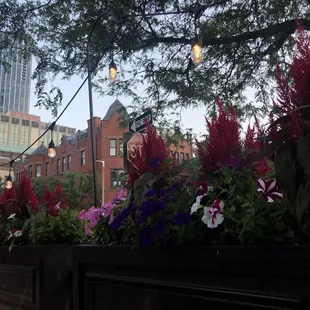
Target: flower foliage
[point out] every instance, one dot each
(288, 136)
(154, 157)
(20, 199)
(224, 146)
(55, 200)
(26, 219)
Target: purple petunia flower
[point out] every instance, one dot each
(269, 190)
(146, 236)
(149, 208)
(160, 227)
(151, 193)
(118, 220)
(181, 218)
(156, 162)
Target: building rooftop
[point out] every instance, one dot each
(41, 150)
(14, 149)
(116, 106)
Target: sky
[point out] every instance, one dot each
(77, 114)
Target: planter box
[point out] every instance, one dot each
(36, 278)
(191, 278)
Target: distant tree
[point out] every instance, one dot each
(77, 186)
(242, 42)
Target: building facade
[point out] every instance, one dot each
(20, 129)
(74, 153)
(15, 79)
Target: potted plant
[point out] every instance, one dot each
(181, 237)
(36, 256)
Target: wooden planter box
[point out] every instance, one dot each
(191, 278)
(36, 278)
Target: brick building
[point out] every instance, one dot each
(74, 153)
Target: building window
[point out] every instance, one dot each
(182, 158)
(177, 157)
(187, 156)
(38, 171)
(35, 124)
(46, 169)
(172, 154)
(116, 177)
(83, 158)
(112, 147)
(25, 122)
(69, 162)
(15, 120)
(62, 129)
(63, 164)
(58, 166)
(121, 147)
(4, 118)
(30, 171)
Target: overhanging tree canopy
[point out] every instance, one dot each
(242, 42)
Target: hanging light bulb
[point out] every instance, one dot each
(51, 149)
(9, 182)
(112, 71)
(197, 51)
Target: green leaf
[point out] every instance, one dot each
(285, 169)
(141, 186)
(302, 208)
(280, 226)
(261, 221)
(290, 234)
(246, 205)
(303, 154)
(175, 171)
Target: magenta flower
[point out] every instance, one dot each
(92, 215)
(269, 190)
(87, 230)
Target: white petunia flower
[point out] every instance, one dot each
(11, 216)
(17, 233)
(196, 205)
(213, 215)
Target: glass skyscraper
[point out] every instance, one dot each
(15, 85)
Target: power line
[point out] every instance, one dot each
(68, 104)
(191, 11)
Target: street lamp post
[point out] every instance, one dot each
(91, 109)
(102, 180)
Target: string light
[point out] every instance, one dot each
(197, 51)
(51, 147)
(9, 180)
(112, 71)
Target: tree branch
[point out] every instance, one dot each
(288, 27)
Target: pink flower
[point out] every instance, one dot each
(92, 215)
(269, 190)
(87, 230)
(213, 215)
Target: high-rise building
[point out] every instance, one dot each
(20, 130)
(15, 79)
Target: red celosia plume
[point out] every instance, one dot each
(223, 138)
(293, 93)
(154, 156)
(55, 200)
(18, 199)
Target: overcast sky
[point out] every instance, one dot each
(78, 112)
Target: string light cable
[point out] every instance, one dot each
(121, 22)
